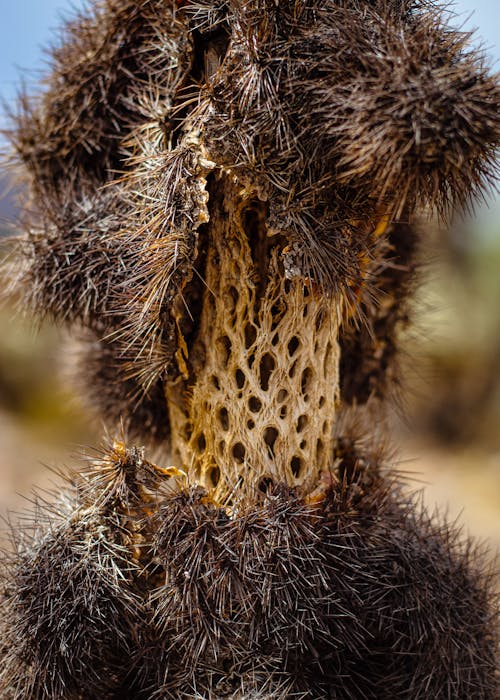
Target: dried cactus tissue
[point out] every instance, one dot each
(225, 204)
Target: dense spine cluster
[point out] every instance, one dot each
(223, 206)
(142, 586)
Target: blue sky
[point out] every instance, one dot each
(26, 27)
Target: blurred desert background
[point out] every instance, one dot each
(446, 419)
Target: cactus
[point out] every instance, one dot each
(225, 206)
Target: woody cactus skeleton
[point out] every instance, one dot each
(225, 196)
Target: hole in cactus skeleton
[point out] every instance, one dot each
(214, 476)
(254, 404)
(239, 452)
(293, 345)
(250, 335)
(224, 418)
(270, 436)
(305, 380)
(296, 466)
(267, 364)
(201, 442)
(215, 382)
(282, 395)
(302, 421)
(240, 378)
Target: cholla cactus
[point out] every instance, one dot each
(224, 203)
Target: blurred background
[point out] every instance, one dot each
(447, 425)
